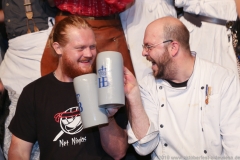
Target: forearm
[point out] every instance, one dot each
(13, 155)
(113, 139)
(1, 16)
(138, 118)
(19, 149)
(238, 7)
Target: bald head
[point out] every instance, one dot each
(169, 28)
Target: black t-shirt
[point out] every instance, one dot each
(47, 112)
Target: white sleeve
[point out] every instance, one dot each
(145, 145)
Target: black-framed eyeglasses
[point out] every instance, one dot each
(148, 48)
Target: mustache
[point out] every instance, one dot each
(86, 59)
(150, 59)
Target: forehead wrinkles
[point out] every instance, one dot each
(151, 38)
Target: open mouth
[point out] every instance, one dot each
(153, 63)
(85, 60)
(151, 60)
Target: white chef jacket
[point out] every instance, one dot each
(212, 42)
(134, 22)
(182, 124)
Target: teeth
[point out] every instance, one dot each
(86, 61)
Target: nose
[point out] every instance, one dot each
(88, 52)
(144, 53)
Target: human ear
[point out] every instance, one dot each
(58, 49)
(174, 48)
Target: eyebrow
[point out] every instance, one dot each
(80, 46)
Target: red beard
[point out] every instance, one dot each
(71, 69)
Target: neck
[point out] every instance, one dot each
(61, 76)
(185, 67)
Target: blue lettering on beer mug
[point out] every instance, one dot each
(79, 103)
(102, 80)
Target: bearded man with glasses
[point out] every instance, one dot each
(188, 107)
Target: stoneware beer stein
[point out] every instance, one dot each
(110, 79)
(87, 96)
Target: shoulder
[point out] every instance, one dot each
(215, 69)
(40, 82)
(148, 79)
(149, 83)
(218, 76)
